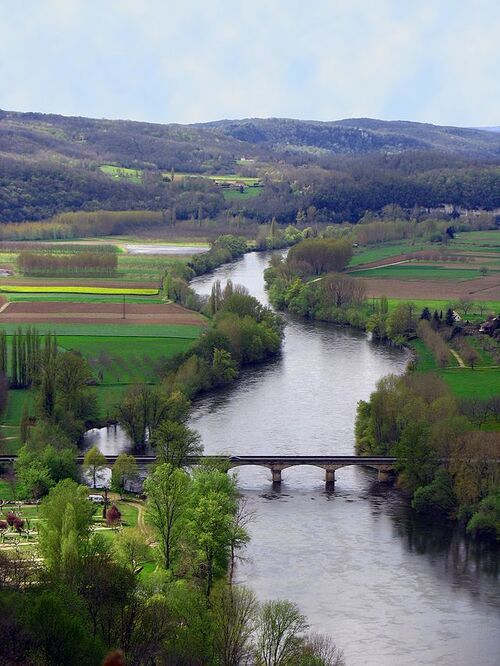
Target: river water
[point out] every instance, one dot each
(390, 589)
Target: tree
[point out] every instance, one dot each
(224, 368)
(113, 516)
(34, 479)
(131, 548)
(320, 650)
(464, 306)
(124, 470)
(234, 617)
(209, 520)
(24, 423)
(134, 413)
(280, 637)
(68, 516)
(93, 462)
(175, 442)
(166, 491)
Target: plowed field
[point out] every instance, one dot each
(104, 313)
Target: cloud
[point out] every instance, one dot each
(193, 61)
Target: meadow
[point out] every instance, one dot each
(413, 271)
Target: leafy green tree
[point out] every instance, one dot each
(133, 413)
(416, 458)
(93, 462)
(166, 489)
(436, 496)
(224, 368)
(131, 549)
(124, 470)
(67, 515)
(175, 442)
(59, 630)
(209, 518)
(34, 480)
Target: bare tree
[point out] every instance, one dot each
(321, 649)
(280, 636)
(234, 614)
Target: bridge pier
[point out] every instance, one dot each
(330, 477)
(276, 472)
(384, 475)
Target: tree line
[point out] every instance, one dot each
(79, 263)
(445, 464)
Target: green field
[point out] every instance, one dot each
(365, 255)
(482, 382)
(116, 330)
(236, 195)
(126, 361)
(133, 175)
(478, 383)
(478, 313)
(119, 356)
(412, 271)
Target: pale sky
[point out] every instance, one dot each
(194, 60)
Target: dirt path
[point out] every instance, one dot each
(459, 358)
(141, 523)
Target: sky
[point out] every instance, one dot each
(189, 61)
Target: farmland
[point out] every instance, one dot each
(121, 325)
(468, 266)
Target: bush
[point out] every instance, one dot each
(436, 496)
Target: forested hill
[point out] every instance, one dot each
(51, 164)
(359, 136)
(215, 145)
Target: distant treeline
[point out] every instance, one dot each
(80, 263)
(81, 224)
(56, 248)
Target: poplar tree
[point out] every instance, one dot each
(24, 424)
(3, 353)
(13, 379)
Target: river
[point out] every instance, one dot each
(390, 588)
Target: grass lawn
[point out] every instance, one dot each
(236, 195)
(125, 361)
(413, 271)
(480, 383)
(478, 313)
(132, 175)
(367, 254)
(116, 330)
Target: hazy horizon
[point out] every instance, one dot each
(196, 62)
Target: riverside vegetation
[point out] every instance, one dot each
(163, 591)
(443, 431)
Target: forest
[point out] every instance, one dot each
(51, 165)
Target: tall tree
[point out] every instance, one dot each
(94, 461)
(124, 470)
(166, 490)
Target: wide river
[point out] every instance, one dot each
(390, 588)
